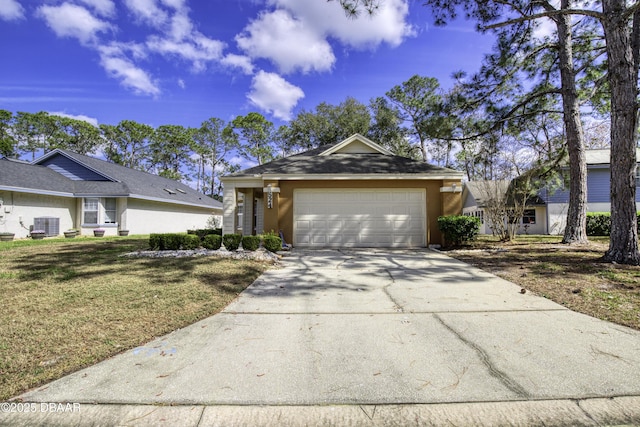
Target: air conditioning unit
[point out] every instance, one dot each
(49, 224)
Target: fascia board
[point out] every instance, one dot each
(388, 177)
(100, 195)
(36, 191)
(174, 202)
(245, 181)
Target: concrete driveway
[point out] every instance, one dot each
(368, 337)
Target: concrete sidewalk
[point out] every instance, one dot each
(366, 337)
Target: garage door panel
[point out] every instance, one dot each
(356, 217)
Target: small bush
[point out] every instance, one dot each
(173, 241)
(190, 241)
(166, 241)
(459, 228)
(231, 241)
(272, 243)
(250, 243)
(155, 241)
(598, 224)
(204, 232)
(212, 241)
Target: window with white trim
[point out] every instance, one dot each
(96, 211)
(110, 211)
(90, 210)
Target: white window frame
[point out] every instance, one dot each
(110, 215)
(101, 212)
(91, 205)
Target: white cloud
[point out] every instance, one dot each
(273, 94)
(181, 84)
(289, 42)
(387, 25)
(91, 120)
(120, 67)
(147, 11)
(101, 7)
(69, 20)
(11, 10)
(198, 50)
(176, 4)
(238, 61)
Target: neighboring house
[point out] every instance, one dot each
(598, 190)
(350, 194)
(64, 190)
(547, 213)
(479, 196)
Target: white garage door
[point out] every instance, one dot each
(359, 218)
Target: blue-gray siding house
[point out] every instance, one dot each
(598, 191)
(548, 213)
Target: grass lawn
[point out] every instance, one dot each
(67, 304)
(572, 276)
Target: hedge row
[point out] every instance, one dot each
(599, 223)
(213, 241)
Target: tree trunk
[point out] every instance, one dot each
(576, 229)
(623, 76)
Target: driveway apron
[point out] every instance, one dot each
(370, 327)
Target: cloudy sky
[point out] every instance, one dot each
(183, 61)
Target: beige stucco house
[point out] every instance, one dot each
(64, 190)
(353, 193)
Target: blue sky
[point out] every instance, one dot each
(181, 62)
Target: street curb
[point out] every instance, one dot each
(623, 410)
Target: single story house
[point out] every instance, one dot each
(479, 196)
(353, 193)
(547, 212)
(64, 190)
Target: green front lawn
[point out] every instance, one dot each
(69, 303)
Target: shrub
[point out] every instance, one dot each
(173, 241)
(459, 228)
(231, 241)
(155, 241)
(598, 224)
(212, 241)
(272, 243)
(204, 232)
(166, 241)
(190, 241)
(250, 243)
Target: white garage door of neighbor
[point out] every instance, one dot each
(359, 218)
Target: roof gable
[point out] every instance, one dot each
(356, 144)
(71, 168)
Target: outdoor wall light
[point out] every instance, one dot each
(269, 196)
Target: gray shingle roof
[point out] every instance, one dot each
(124, 181)
(27, 176)
(311, 163)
